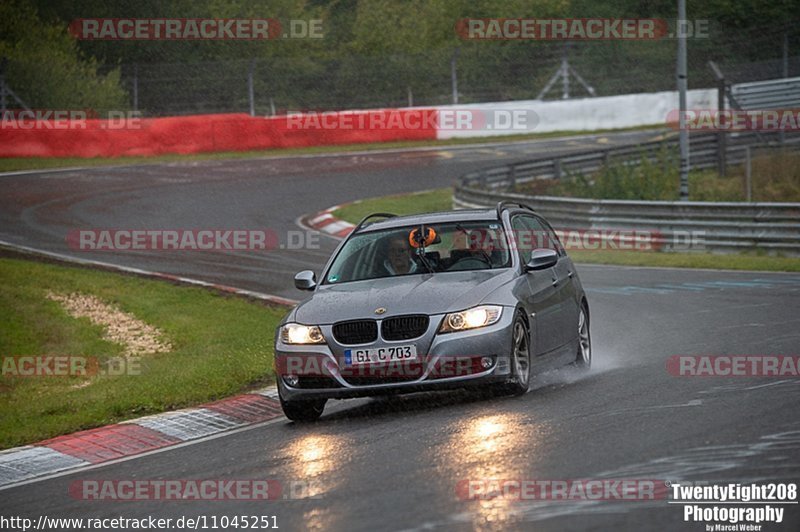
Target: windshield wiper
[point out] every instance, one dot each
(485, 255)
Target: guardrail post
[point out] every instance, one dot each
(136, 86)
(512, 178)
(683, 133)
(785, 55)
(454, 75)
(748, 176)
(721, 138)
(250, 92)
(3, 99)
(556, 168)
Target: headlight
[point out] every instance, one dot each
(471, 318)
(294, 333)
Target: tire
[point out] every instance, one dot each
(583, 359)
(306, 410)
(520, 359)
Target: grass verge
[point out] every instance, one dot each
(739, 261)
(426, 201)
(441, 200)
(775, 177)
(15, 164)
(221, 345)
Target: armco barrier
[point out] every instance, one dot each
(210, 133)
(715, 226)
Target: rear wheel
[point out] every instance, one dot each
(584, 357)
(304, 410)
(520, 359)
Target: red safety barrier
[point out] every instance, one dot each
(213, 133)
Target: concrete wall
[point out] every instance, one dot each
(585, 114)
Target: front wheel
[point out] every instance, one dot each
(520, 359)
(583, 358)
(304, 410)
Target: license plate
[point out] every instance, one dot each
(380, 354)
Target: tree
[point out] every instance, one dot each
(46, 69)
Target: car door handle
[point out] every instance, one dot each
(555, 282)
(570, 274)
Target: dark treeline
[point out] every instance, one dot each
(373, 53)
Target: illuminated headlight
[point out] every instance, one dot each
(294, 333)
(471, 318)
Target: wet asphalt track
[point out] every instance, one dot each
(395, 463)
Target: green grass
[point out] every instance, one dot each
(775, 177)
(740, 261)
(426, 201)
(14, 164)
(441, 200)
(221, 345)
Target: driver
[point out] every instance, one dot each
(399, 261)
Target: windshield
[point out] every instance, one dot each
(448, 247)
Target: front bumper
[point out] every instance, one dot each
(445, 361)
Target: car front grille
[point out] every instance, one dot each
(312, 382)
(404, 327)
(355, 332)
(370, 381)
(387, 373)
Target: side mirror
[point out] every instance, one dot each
(541, 259)
(305, 280)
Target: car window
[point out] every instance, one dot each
(448, 247)
(520, 229)
(552, 241)
(531, 234)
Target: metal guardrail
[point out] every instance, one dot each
(680, 225)
(772, 94)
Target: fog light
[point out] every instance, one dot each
(291, 380)
(486, 362)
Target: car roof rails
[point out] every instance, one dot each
(370, 216)
(503, 205)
